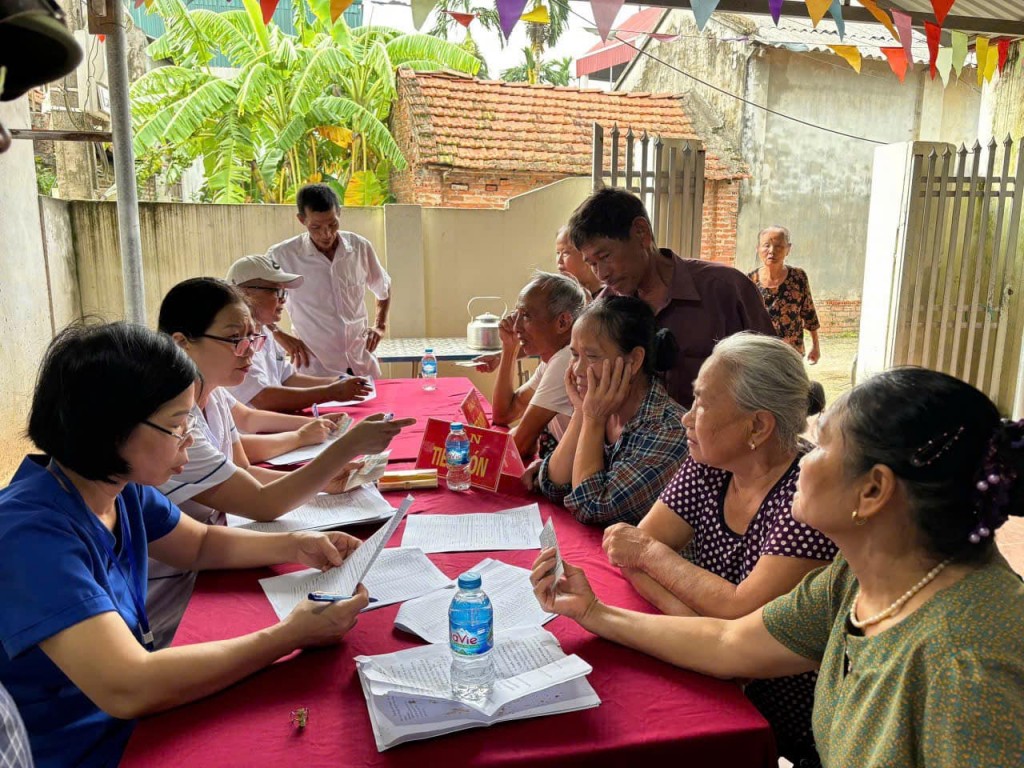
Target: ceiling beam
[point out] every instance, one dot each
(970, 24)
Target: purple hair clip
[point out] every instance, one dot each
(995, 479)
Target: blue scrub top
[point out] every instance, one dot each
(55, 572)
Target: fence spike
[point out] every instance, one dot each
(615, 129)
(977, 146)
(992, 144)
(629, 133)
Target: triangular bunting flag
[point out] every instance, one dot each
(944, 63)
(992, 61)
(941, 8)
(817, 9)
(959, 50)
(881, 15)
(538, 15)
(837, 16)
(1004, 52)
(268, 7)
(420, 10)
(338, 7)
(605, 12)
(775, 6)
(509, 12)
(465, 19)
(663, 37)
(897, 61)
(139, 3)
(702, 10)
(905, 26)
(933, 32)
(849, 52)
(981, 53)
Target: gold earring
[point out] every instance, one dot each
(753, 445)
(856, 519)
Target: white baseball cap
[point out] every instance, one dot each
(261, 268)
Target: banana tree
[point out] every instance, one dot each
(292, 109)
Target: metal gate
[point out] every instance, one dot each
(956, 266)
(667, 174)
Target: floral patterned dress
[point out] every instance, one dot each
(790, 306)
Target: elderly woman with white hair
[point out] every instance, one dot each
(729, 509)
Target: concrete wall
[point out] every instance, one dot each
(815, 182)
(25, 319)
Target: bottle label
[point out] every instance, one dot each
(457, 455)
(429, 367)
(472, 639)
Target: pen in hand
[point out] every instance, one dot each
(330, 597)
(316, 411)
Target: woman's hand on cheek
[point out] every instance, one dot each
(607, 393)
(571, 391)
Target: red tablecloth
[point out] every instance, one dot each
(651, 713)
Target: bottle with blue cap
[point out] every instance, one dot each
(471, 637)
(428, 370)
(456, 456)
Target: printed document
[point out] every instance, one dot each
(517, 528)
(323, 511)
(310, 452)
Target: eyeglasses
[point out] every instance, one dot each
(190, 426)
(282, 293)
(255, 341)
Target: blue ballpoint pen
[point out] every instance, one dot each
(316, 411)
(330, 597)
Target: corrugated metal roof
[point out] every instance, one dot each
(869, 38)
(983, 9)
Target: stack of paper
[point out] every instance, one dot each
(409, 695)
(286, 591)
(517, 528)
(310, 452)
(323, 511)
(508, 588)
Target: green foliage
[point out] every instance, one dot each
(46, 177)
(552, 71)
(274, 123)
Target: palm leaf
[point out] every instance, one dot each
(178, 122)
(228, 170)
(231, 32)
(254, 84)
(182, 42)
(326, 65)
(418, 47)
(364, 189)
(256, 26)
(336, 110)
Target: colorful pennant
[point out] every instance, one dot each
(992, 60)
(817, 9)
(605, 12)
(944, 64)
(934, 33)
(849, 52)
(882, 16)
(420, 10)
(465, 19)
(941, 8)
(509, 12)
(663, 37)
(905, 26)
(702, 10)
(959, 40)
(897, 61)
(775, 6)
(338, 7)
(538, 15)
(981, 53)
(837, 16)
(1004, 51)
(268, 7)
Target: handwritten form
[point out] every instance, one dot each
(286, 591)
(507, 586)
(409, 692)
(325, 510)
(517, 528)
(310, 452)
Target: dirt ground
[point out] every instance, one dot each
(836, 363)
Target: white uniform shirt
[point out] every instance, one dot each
(329, 310)
(548, 385)
(209, 465)
(270, 368)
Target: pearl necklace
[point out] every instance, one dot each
(893, 609)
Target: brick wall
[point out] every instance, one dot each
(721, 211)
(838, 315)
(450, 188)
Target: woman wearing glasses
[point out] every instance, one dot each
(210, 321)
(111, 411)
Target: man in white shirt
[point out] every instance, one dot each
(540, 325)
(328, 310)
(272, 383)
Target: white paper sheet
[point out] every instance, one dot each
(549, 540)
(409, 697)
(372, 395)
(374, 467)
(286, 591)
(323, 511)
(507, 586)
(517, 528)
(402, 573)
(310, 452)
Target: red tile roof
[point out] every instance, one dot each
(460, 122)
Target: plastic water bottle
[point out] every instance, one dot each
(428, 370)
(456, 456)
(471, 637)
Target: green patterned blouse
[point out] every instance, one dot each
(944, 688)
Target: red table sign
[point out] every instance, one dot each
(473, 411)
(489, 455)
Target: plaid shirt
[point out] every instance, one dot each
(645, 458)
(14, 749)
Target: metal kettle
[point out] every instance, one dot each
(482, 330)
